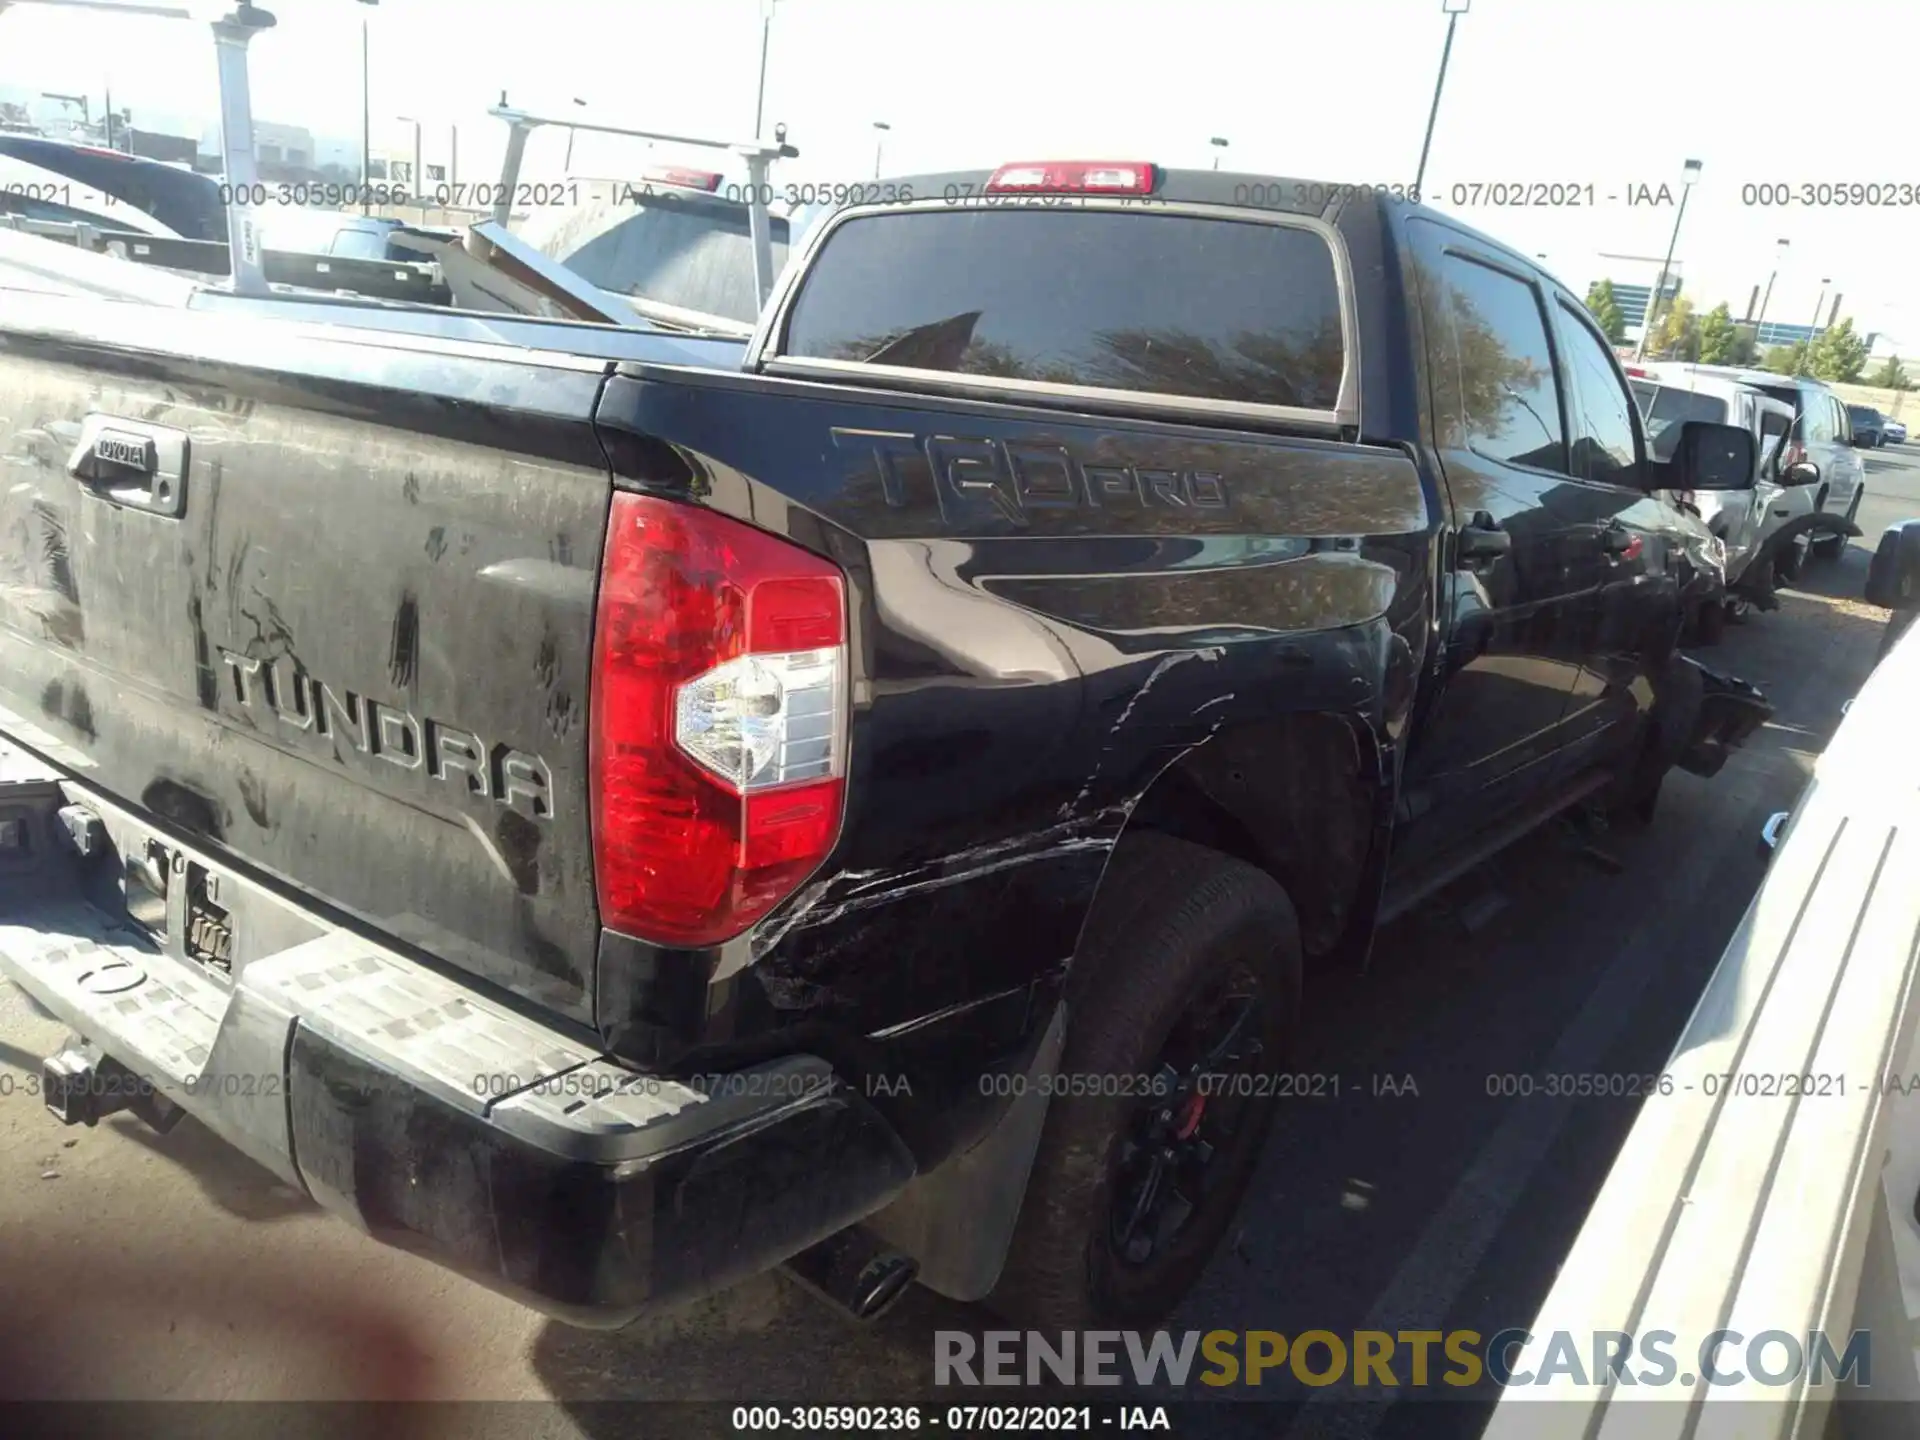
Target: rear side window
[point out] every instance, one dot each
(1670, 410)
(360, 245)
(1603, 448)
(1495, 391)
(1773, 429)
(1816, 417)
(1162, 304)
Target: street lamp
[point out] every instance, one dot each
(419, 174)
(571, 132)
(1779, 259)
(1453, 10)
(766, 34)
(1806, 351)
(1689, 173)
(366, 118)
(80, 101)
(1219, 143)
(879, 141)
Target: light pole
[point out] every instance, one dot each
(1779, 259)
(1454, 9)
(1689, 173)
(571, 132)
(1219, 143)
(879, 142)
(760, 95)
(419, 185)
(366, 116)
(1806, 350)
(81, 101)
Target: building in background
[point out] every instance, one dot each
(1633, 278)
(158, 145)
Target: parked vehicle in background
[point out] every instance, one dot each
(1869, 426)
(1767, 531)
(308, 230)
(1894, 431)
(690, 813)
(675, 242)
(1822, 436)
(53, 180)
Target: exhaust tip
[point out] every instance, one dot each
(860, 1274)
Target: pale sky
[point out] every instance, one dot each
(1616, 93)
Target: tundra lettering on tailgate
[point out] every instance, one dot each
(300, 703)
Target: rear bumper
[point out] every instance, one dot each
(426, 1112)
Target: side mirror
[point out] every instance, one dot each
(1801, 472)
(1893, 578)
(1712, 457)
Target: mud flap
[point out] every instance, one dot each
(1730, 711)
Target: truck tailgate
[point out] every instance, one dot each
(320, 599)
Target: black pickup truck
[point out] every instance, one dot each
(618, 812)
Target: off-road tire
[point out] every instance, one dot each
(1171, 919)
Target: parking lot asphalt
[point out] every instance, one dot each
(139, 1266)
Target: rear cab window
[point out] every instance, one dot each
(1032, 298)
(1671, 409)
(694, 253)
(1492, 362)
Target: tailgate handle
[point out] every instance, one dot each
(132, 463)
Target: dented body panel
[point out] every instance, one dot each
(347, 653)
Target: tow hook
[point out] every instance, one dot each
(82, 1086)
(1770, 833)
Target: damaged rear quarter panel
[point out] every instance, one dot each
(1032, 647)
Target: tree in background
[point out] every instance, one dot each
(1676, 334)
(1785, 359)
(1718, 340)
(1605, 310)
(1838, 353)
(1891, 376)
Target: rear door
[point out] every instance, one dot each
(1519, 567)
(1626, 555)
(322, 598)
(1849, 467)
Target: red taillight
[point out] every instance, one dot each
(719, 719)
(1636, 370)
(1080, 177)
(685, 179)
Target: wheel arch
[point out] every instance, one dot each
(1304, 797)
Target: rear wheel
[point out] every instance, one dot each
(1831, 547)
(1183, 997)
